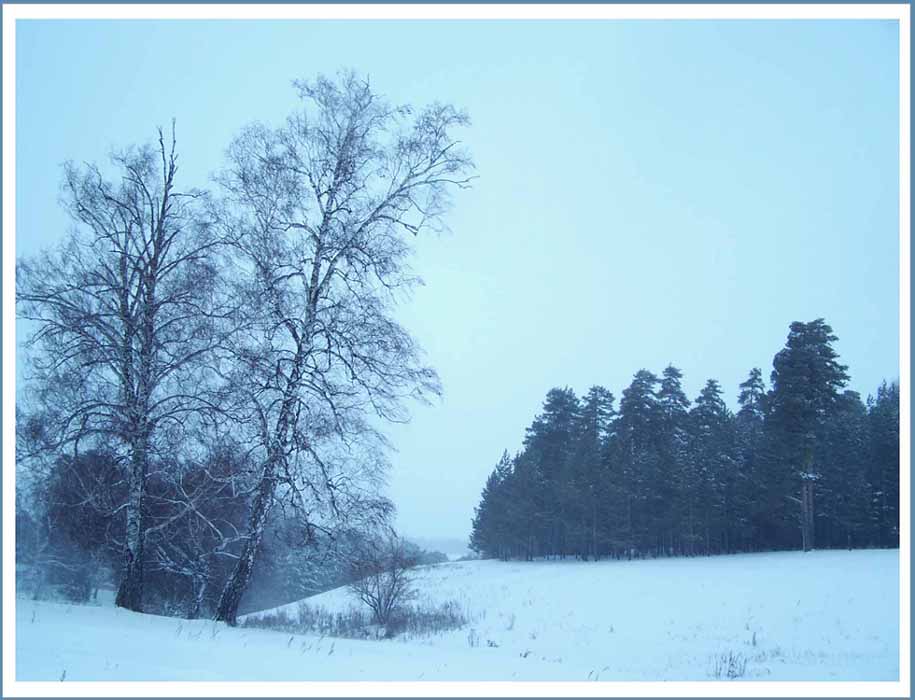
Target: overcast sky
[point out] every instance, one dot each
(649, 193)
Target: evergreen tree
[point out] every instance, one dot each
(672, 474)
(549, 443)
(712, 492)
(842, 488)
(490, 532)
(750, 512)
(637, 456)
(806, 379)
(883, 474)
(525, 507)
(588, 474)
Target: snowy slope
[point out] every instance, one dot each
(788, 616)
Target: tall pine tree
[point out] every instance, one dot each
(806, 379)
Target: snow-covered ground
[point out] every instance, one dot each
(785, 616)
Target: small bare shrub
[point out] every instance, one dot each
(729, 665)
(380, 577)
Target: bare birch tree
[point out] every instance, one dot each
(321, 210)
(122, 319)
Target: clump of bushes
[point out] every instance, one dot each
(426, 620)
(409, 621)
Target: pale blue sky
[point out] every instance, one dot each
(649, 192)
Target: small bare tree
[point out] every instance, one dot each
(381, 578)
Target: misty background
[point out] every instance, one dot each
(649, 193)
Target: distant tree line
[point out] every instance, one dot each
(802, 464)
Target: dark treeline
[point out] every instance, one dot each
(803, 463)
(69, 543)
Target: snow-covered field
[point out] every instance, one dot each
(780, 616)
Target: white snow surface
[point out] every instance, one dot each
(831, 615)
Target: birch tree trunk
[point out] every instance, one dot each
(227, 609)
(130, 590)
